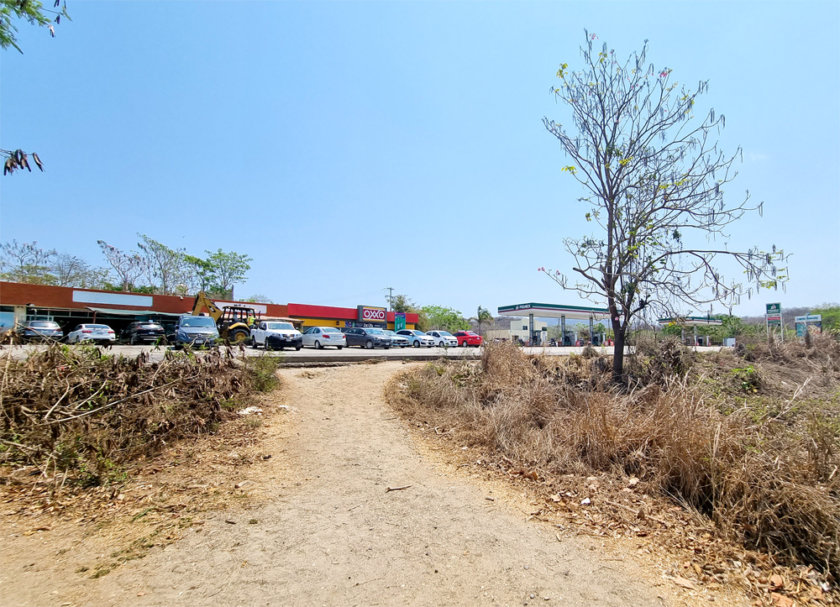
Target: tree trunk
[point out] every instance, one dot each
(618, 351)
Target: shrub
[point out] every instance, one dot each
(765, 472)
(84, 415)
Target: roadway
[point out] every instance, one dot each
(345, 355)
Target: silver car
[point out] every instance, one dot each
(399, 341)
(319, 337)
(41, 330)
(416, 338)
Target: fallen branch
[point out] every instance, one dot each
(396, 488)
(117, 402)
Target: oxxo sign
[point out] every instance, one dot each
(370, 314)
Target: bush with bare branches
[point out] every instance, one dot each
(80, 415)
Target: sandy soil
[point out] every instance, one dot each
(352, 511)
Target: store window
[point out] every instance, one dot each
(7, 317)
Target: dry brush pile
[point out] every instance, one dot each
(752, 445)
(79, 417)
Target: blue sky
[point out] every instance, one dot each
(352, 146)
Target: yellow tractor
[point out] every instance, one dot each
(234, 322)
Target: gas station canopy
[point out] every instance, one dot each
(691, 321)
(543, 310)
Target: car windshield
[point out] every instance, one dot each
(149, 325)
(330, 330)
(420, 333)
(198, 321)
(43, 324)
(375, 332)
(98, 327)
(389, 332)
(280, 325)
(445, 334)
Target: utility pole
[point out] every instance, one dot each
(390, 297)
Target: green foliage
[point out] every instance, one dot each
(401, 303)
(439, 317)
(31, 11)
(747, 378)
(830, 317)
(225, 269)
(263, 372)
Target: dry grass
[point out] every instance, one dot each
(77, 416)
(752, 445)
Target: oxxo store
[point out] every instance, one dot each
(360, 316)
(20, 302)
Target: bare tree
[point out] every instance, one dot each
(26, 262)
(71, 271)
(128, 266)
(654, 180)
(165, 267)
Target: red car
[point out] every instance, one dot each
(468, 338)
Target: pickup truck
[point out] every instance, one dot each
(276, 335)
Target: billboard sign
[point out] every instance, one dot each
(370, 314)
(399, 321)
(804, 323)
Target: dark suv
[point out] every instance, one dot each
(366, 337)
(143, 331)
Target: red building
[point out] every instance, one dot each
(69, 306)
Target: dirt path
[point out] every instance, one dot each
(331, 534)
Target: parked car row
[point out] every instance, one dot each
(270, 334)
(143, 331)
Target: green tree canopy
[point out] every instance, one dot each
(448, 319)
(225, 269)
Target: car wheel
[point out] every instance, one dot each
(416, 343)
(267, 346)
(318, 345)
(297, 348)
(339, 347)
(369, 344)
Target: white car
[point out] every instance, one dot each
(443, 339)
(320, 337)
(98, 334)
(416, 338)
(283, 334)
(398, 341)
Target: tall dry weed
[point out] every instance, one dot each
(765, 472)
